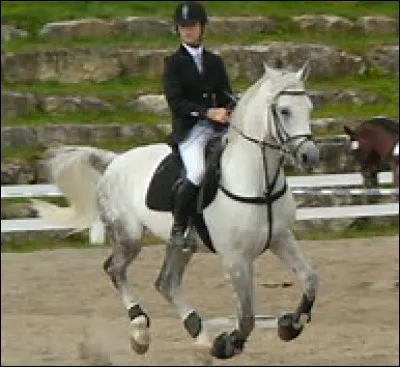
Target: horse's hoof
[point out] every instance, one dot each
(139, 348)
(227, 345)
(139, 335)
(287, 329)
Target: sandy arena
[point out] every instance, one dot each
(59, 308)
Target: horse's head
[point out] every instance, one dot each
(373, 142)
(275, 112)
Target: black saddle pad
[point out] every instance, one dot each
(169, 173)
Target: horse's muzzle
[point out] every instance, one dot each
(307, 155)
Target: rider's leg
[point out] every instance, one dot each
(185, 198)
(193, 157)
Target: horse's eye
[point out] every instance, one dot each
(285, 112)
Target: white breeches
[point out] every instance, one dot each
(192, 151)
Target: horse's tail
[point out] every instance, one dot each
(76, 172)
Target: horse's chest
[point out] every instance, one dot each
(249, 224)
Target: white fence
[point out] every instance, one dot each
(325, 184)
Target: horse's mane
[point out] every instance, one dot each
(280, 81)
(390, 125)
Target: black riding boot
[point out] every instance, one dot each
(184, 205)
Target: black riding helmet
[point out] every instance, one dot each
(190, 12)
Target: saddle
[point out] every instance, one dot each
(170, 174)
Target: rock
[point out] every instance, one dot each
(240, 26)
(66, 104)
(326, 23)
(385, 57)
(43, 136)
(17, 210)
(18, 137)
(16, 104)
(141, 26)
(17, 171)
(156, 104)
(80, 28)
(63, 66)
(378, 25)
(102, 64)
(326, 62)
(9, 32)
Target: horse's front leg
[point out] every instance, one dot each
(168, 283)
(240, 271)
(286, 248)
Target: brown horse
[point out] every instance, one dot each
(375, 143)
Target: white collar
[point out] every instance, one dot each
(194, 51)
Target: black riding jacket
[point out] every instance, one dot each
(189, 93)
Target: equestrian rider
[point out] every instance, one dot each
(197, 89)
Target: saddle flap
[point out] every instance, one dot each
(170, 171)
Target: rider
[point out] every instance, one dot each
(197, 88)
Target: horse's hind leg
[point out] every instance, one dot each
(126, 247)
(168, 283)
(286, 248)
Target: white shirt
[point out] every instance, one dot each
(196, 53)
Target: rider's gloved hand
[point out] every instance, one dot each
(220, 115)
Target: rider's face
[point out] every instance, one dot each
(190, 32)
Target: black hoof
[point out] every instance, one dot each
(286, 329)
(227, 345)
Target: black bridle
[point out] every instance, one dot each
(284, 139)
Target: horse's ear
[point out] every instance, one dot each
(349, 131)
(304, 72)
(267, 69)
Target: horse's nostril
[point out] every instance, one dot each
(304, 158)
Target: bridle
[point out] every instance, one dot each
(284, 139)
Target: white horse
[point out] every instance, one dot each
(253, 209)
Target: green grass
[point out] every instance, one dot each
(118, 90)
(33, 14)
(89, 117)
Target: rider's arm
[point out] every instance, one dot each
(180, 106)
(224, 86)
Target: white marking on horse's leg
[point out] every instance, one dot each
(125, 249)
(240, 271)
(288, 251)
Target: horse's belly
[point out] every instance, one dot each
(124, 183)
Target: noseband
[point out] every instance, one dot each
(284, 139)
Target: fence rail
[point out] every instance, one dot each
(325, 184)
(298, 184)
(340, 212)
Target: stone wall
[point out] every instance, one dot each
(75, 65)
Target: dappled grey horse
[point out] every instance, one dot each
(253, 209)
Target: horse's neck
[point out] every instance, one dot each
(242, 170)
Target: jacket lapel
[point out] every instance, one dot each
(188, 57)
